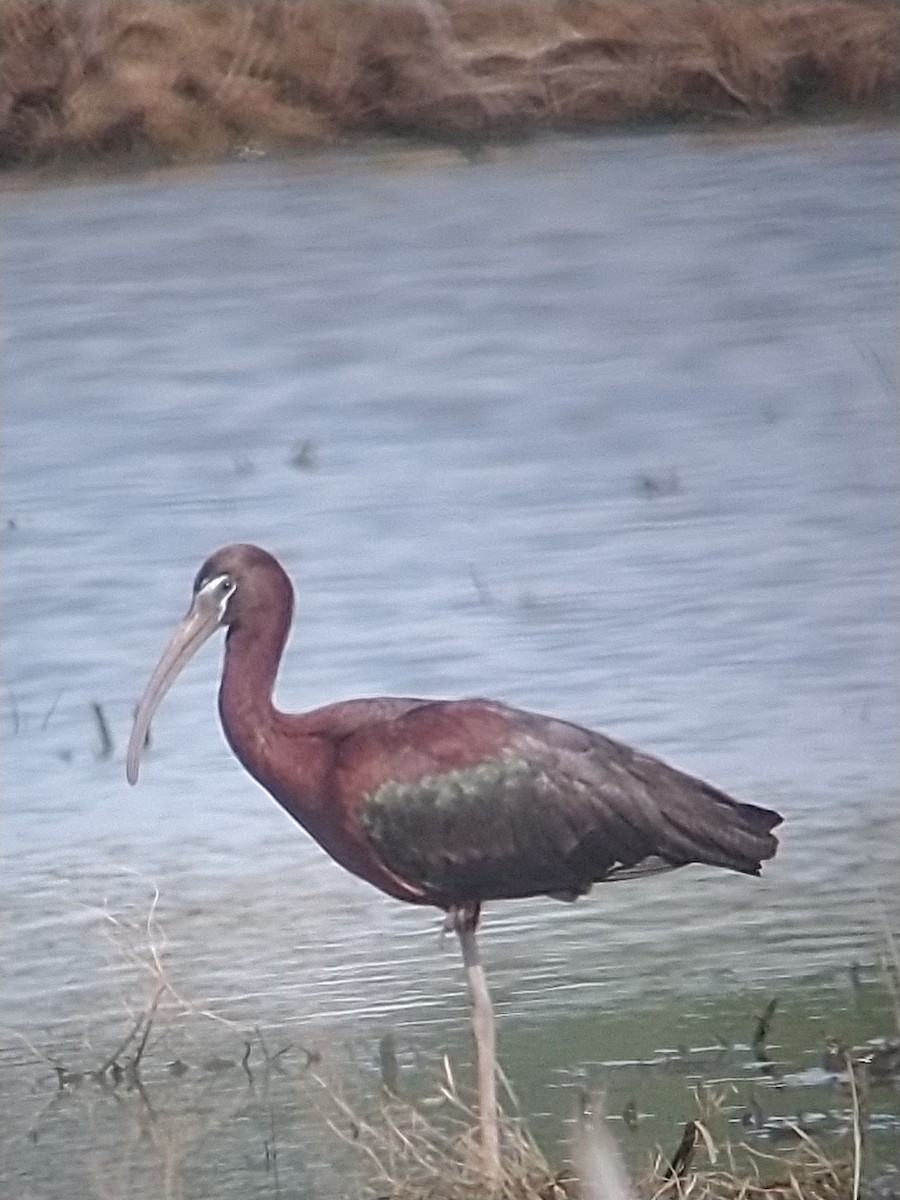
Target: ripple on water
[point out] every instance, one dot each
(488, 398)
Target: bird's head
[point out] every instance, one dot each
(239, 586)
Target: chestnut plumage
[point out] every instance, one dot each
(535, 805)
(446, 802)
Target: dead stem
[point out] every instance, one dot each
(144, 946)
(144, 1020)
(890, 970)
(857, 1127)
(107, 745)
(411, 1156)
(102, 80)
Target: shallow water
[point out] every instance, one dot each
(603, 428)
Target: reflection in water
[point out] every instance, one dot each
(597, 431)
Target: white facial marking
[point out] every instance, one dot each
(218, 591)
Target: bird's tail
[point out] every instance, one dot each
(721, 832)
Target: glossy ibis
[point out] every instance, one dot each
(446, 802)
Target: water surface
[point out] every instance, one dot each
(602, 428)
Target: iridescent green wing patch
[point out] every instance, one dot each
(482, 831)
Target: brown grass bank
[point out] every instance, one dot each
(93, 80)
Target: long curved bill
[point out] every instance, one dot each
(201, 622)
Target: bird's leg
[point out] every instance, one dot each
(465, 921)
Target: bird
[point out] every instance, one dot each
(450, 803)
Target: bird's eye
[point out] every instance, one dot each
(218, 588)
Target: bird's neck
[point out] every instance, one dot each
(288, 756)
(248, 713)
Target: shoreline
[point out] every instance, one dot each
(114, 85)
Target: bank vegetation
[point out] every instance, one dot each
(90, 81)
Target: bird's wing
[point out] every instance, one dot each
(472, 800)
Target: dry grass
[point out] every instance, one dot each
(96, 79)
(429, 1151)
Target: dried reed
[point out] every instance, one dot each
(96, 80)
(429, 1151)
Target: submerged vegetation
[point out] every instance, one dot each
(89, 81)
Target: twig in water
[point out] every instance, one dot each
(890, 968)
(50, 711)
(854, 974)
(144, 1017)
(684, 1154)
(389, 1066)
(270, 1144)
(761, 1034)
(763, 1024)
(148, 958)
(304, 456)
(857, 1126)
(148, 1025)
(658, 483)
(106, 741)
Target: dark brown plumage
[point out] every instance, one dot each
(446, 802)
(536, 806)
